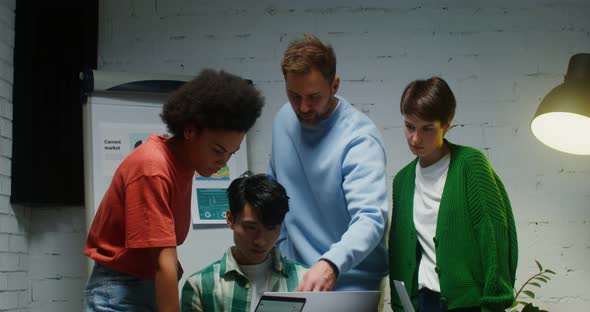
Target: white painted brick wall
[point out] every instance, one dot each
(9, 300)
(5, 90)
(57, 267)
(14, 261)
(5, 185)
(4, 204)
(4, 244)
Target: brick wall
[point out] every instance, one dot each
(14, 225)
(57, 269)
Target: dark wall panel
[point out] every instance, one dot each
(54, 42)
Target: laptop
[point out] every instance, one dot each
(280, 304)
(400, 288)
(335, 301)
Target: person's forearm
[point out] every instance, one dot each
(365, 192)
(166, 280)
(320, 277)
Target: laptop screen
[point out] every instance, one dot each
(280, 304)
(403, 296)
(335, 301)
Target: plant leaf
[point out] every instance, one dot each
(534, 284)
(514, 304)
(529, 293)
(539, 265)
(541, 279)
(545, 276)
(530, 308)
(549, 271)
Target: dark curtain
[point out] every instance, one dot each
(54, 42)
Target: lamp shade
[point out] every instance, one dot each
(562, 120)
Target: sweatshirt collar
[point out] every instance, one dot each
(328, 122)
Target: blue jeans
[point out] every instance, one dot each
(429, 301)
(108, 290)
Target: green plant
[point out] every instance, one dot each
(526, 292)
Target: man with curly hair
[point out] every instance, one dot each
(145, 213)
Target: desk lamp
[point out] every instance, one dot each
(562, 120)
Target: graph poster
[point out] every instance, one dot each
(210, 198)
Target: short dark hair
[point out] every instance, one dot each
(309, 52)
(215, 100)
(264, 194)
(430, 99)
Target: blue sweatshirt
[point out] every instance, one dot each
(334, 174)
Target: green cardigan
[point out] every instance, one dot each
(475, 243)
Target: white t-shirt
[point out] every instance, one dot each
(430, 182)
(258, 275)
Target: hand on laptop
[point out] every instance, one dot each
(320, 277)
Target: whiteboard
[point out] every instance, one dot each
(114, 124)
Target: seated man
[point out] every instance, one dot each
(257, 207)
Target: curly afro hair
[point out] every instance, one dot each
(215, 100)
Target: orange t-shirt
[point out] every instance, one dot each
(147, 205)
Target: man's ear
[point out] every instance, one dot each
(335, 84)
(229, 219)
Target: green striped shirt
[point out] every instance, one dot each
(223, 286)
